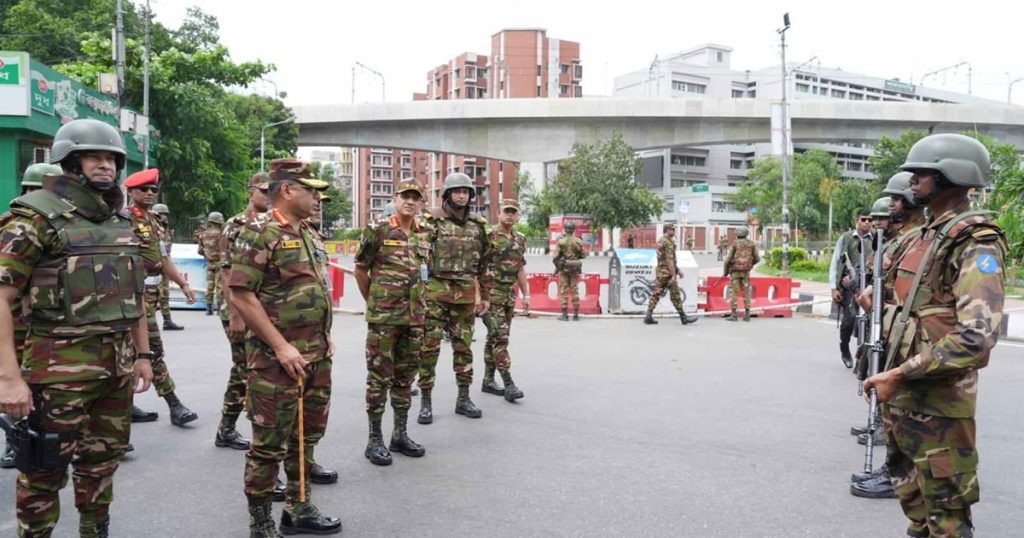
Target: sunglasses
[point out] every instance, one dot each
(865, 219)
(149, 188)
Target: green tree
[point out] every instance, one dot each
(598, 180)
(891, 153)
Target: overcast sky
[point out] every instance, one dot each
(314, 43)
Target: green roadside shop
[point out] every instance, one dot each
(35, 101)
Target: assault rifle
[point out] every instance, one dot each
(862, 315)
(876, 350)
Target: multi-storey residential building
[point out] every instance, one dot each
(699, 177)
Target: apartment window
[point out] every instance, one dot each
(872, 98)
(564, 69)
(579, 71)
(804, 88)
(688, 87)
(406, 162)
(839, 94)
(456, 93)
(688, 160)
(579, 91)
(752, 93)
(670, 204)
(563, 89)
(470, 71)
(678, 183)
(856, 96)
(737, 93)
(538, 71)
(720, 56)
(481, 93)
(538, 90)
(736, 164)
(456, 76)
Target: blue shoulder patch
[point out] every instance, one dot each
(987, 264)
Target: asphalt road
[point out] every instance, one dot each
(714, 429)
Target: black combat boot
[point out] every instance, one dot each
(318, 474)
(879, 487)
(565, 315)
(686, 320)
(649, 318)
(861, 476)
(170, 325)
(575, 314)
(746, 314)
(180, 415)
(844, 351)
(465, 406)
(103, 526)
(228, 436)
(138, 415)
(733, 316)
(400, 441)
(261, 522)
(39, 534)
(305, 518)
(489, 385)
(426, 412)
(512, 392)
(10, 451)
(414, 391)
(375, 451)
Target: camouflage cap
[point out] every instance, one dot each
(292, 169)
(260, 180)
(325, 197)
(409, 185)
(669, 225)
(509, 203)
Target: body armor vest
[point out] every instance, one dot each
(92, 283)
(743, 255)
(458, 248)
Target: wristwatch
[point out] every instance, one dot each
(148, 355)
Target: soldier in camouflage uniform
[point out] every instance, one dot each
(279, 287)
(741, 258)
(948, 282)
(162, 213)
(506, 269)
(142, 188)
(568, 258)
(228, 435)
(87, 350)
(665, 278)
(456, 290)
(31, 180)
(391, 270)
(209, 249)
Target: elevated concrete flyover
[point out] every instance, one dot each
(544, 130)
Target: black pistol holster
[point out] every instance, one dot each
(37, 449)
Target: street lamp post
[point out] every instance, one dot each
(785, 153)
(383, 92)
(263, 139)
(1009, 90)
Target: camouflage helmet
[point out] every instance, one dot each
(457, 180)
(880, 209)
(215, 217)
(33, 176)
(87, 135)
(899, 185)
(161, 209)
(961, 159)
(570, 227)
(388, 211)
(742, 233)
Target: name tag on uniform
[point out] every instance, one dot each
(393, 243)
(291, 243)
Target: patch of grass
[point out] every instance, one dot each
(814, 276)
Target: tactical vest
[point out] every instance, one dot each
(933, 312)
(92, 283)
(508, 255)
(458, 248)
(743, 255)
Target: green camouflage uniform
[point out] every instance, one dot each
(570, 248)
(930, 428)
(508, 256)
(739, 260)
(151, 243)
(665, 275)
(78, 355)
(395, 313)
(287, 272)
(209, 248)
(234, 395)
(165, 283)
(458, 252)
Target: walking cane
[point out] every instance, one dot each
(302, 448)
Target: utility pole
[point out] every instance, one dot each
(119, 53)
(145, 90)
(785, 153)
